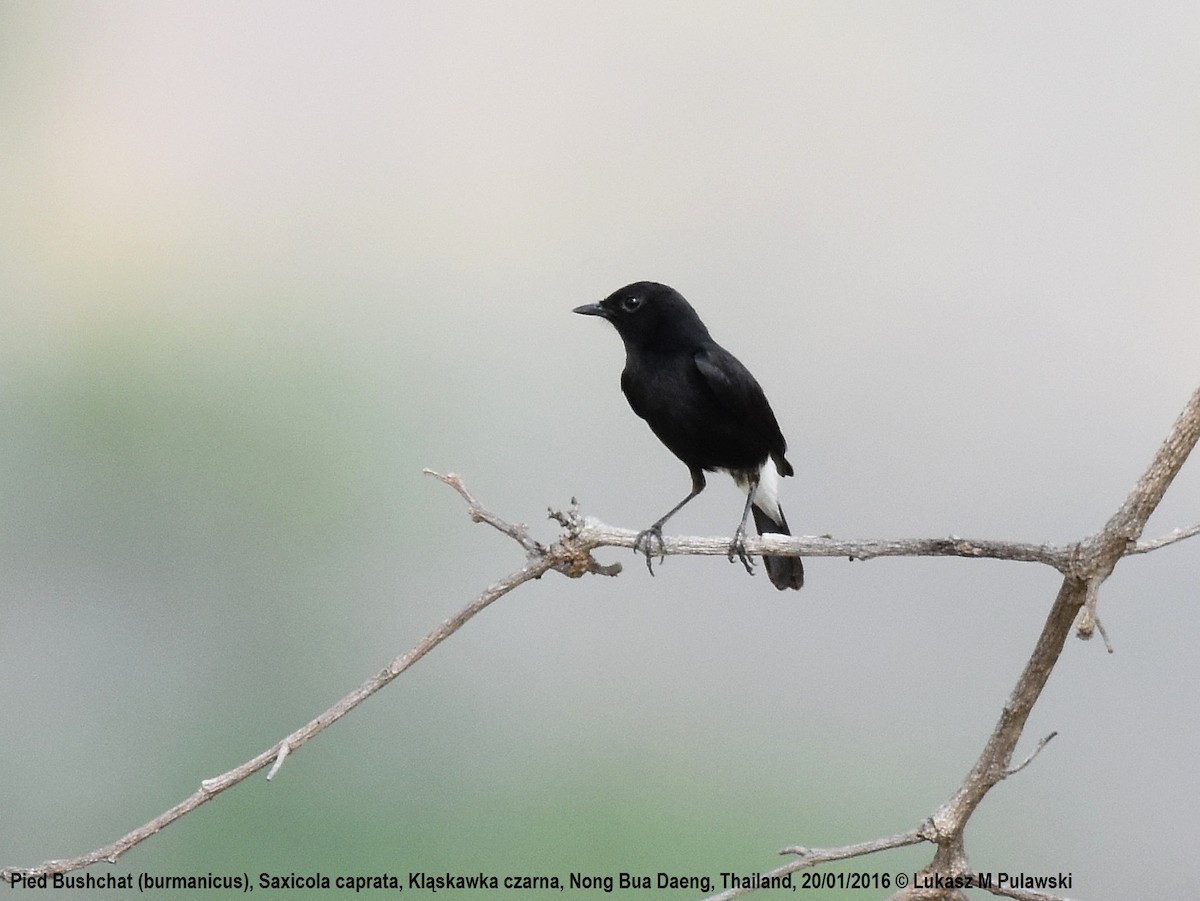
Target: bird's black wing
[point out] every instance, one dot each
(730, 382)
(736, 390)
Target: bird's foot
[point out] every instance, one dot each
(644, 544)
(737, 548)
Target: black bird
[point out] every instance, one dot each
(706, 407)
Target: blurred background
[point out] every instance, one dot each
(262, 263)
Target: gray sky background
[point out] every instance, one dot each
(261, 263)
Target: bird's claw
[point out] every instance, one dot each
(644, 544)
(737, 548)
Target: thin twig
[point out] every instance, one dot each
(284, 750)
(210, 788)
(811, 857)
(518, 532)
(1144, 547)
(1032, 754)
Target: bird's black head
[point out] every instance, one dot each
(647, 314)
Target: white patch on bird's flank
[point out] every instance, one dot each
(766, 497)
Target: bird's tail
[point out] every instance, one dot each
(784, 572)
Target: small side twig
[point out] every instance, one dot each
(277, 753)
(811, 857)
(284, 750)
(518, 532)
(1144, 547)
(1032, 754)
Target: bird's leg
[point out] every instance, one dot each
(644, 542)
(738, 546)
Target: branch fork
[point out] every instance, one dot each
(1084, 565)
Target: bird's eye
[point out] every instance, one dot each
(631, 304)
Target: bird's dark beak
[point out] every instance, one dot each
(591, 309)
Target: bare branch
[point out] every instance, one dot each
(1085, 566)
(276, 754)
(1130, 520)
(597, 534)
(1096, 558)
(518, 532)
(811, 857)
(1144, 547)
(1062, 557)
